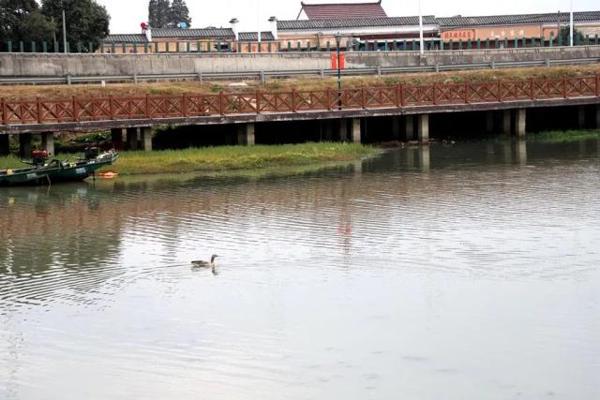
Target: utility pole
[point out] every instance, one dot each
(338, 42)
(421, 41)
(571, 31)
(64, 23)
(258, 22)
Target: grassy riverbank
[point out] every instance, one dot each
(566, 136)
(227, 158)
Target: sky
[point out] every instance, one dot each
(126, 15)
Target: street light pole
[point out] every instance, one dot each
(64, 26)
(421, 41)
(259, 37)
(571, 29)
(338, 40)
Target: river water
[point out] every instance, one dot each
(467, 271)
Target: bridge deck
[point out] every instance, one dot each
(87, 114)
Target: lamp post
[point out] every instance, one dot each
(571, 28)
(421, 42)
(64, 26)
(338, 42)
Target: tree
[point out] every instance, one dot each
(87, 21)
(180, 13)
(21, 20)
(153, 18)
(564, 36)
(163, 13)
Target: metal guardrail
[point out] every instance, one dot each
(264, 75)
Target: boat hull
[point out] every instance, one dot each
(56, 172)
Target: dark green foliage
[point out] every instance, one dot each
(21, 20)
(153, 13)
(163, 14)
(87, 21)
(564, 35)
(180, 13)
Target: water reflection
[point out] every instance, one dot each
(441, 271)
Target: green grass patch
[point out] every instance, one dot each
(566, 136)
(232, 158)
(11, 162)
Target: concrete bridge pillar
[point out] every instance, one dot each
(246, 134)
(424, 158)
(116, 136)
(396, 128)
(343, 130)
(520, 122)
(25, 145)
(506, 122)
(409, 128)
(48, 142)
(328, 130)
(521, 152)
(489, 122)
(581, 117)
(132, 139)
(146, 134)
(4, 145)
(356, 131)
(423, 128)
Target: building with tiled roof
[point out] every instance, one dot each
(357, 25)
(341, 11)
(510, 27)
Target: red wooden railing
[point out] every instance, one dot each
(76, 109)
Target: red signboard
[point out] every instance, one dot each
(334, 61)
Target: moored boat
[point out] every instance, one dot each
(44, 172)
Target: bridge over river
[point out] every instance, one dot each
(505, 103)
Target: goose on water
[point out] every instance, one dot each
(205, 264)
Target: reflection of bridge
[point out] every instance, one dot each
(513, 97)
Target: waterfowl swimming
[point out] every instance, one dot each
(205, 264)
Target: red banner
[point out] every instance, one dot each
(334, 61)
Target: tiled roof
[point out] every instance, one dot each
(460, 21)
(253, 36)
(352, 23)
(212, 33)
(133, 38)
(344, 10)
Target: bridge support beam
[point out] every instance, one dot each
(489, 122)
(581, 117)
(25, 145)
(409, 128)
(520, 122)
(146, 135)
(343, 130)
(356, 131)
(116, 136)
(506, 122)
(4, 145)
(132, 139)
(396, 128)
(424, 158)
(328, 134)
(246, 135)
(48, 142)
(423, 128)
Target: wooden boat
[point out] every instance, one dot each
(44, 172)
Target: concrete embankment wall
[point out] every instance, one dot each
(52, 65)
